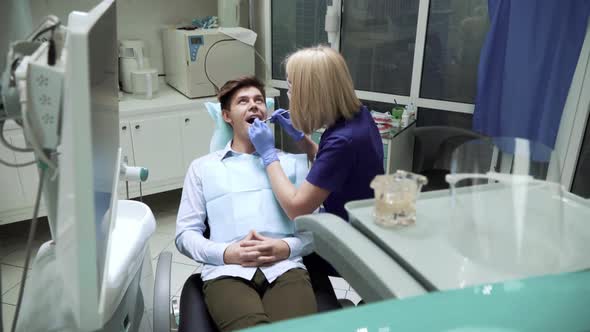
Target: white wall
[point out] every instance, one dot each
(136, 19)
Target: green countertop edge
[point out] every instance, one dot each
(547, 303)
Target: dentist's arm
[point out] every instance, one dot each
(294, 201)
(303, 142)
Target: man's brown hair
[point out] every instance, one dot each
(227, 91)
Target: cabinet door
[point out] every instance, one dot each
(11, 195)
(157, 145)
(29, 175)
(126, 152)
(197, 130)
(125, 142)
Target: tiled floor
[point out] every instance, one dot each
(164, 206)
(13, 238)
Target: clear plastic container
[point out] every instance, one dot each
(144, 83)
(395, 198)
(507, 206)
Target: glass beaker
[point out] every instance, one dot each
(395, 198)
(507, 206)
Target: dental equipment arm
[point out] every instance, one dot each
(371, 271)
(301, 244)
(31, 92)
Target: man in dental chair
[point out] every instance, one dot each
(253, 258)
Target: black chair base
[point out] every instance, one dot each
(194, 315)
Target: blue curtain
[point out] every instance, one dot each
(526, 67)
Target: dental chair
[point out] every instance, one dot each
(194, 315)
(434, 146)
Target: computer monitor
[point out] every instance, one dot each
(88, 157)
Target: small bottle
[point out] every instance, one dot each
(405, 117)
(396, 116)
(412, 112)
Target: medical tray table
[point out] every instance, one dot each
(425, 253)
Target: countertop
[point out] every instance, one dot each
(167, 99)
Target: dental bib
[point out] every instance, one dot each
(239, 196)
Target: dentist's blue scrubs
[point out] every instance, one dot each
(350, 155)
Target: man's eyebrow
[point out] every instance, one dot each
(247, 96)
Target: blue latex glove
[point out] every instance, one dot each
(284, 120)
(262, 139)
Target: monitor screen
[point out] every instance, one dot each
(104, 117)
(197, 40)
(89, 146)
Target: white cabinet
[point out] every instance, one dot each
(165, 143)
(29, 175)
(11, 194)
(18, 186)
(197, 130)
(125, 142)
(166, 134)
(157, 145)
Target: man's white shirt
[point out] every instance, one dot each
(190, 226)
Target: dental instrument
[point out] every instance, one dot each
(270, 117)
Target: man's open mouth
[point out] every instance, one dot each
(251, 119)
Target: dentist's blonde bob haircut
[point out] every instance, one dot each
(321, 88)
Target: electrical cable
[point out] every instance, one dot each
(8, 144)
(205, 63)
(51, 52)
(266, 65)
(56, 24)
(32, 232)
(13, 148)
(140, 193)
(9, 164)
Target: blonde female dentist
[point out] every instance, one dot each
(350, 152)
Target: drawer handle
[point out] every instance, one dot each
(124, 128)
(137, 127)
(187, 120)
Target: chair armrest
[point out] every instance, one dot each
(369, 270)
(162, 293)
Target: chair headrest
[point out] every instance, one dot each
(223, 132)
